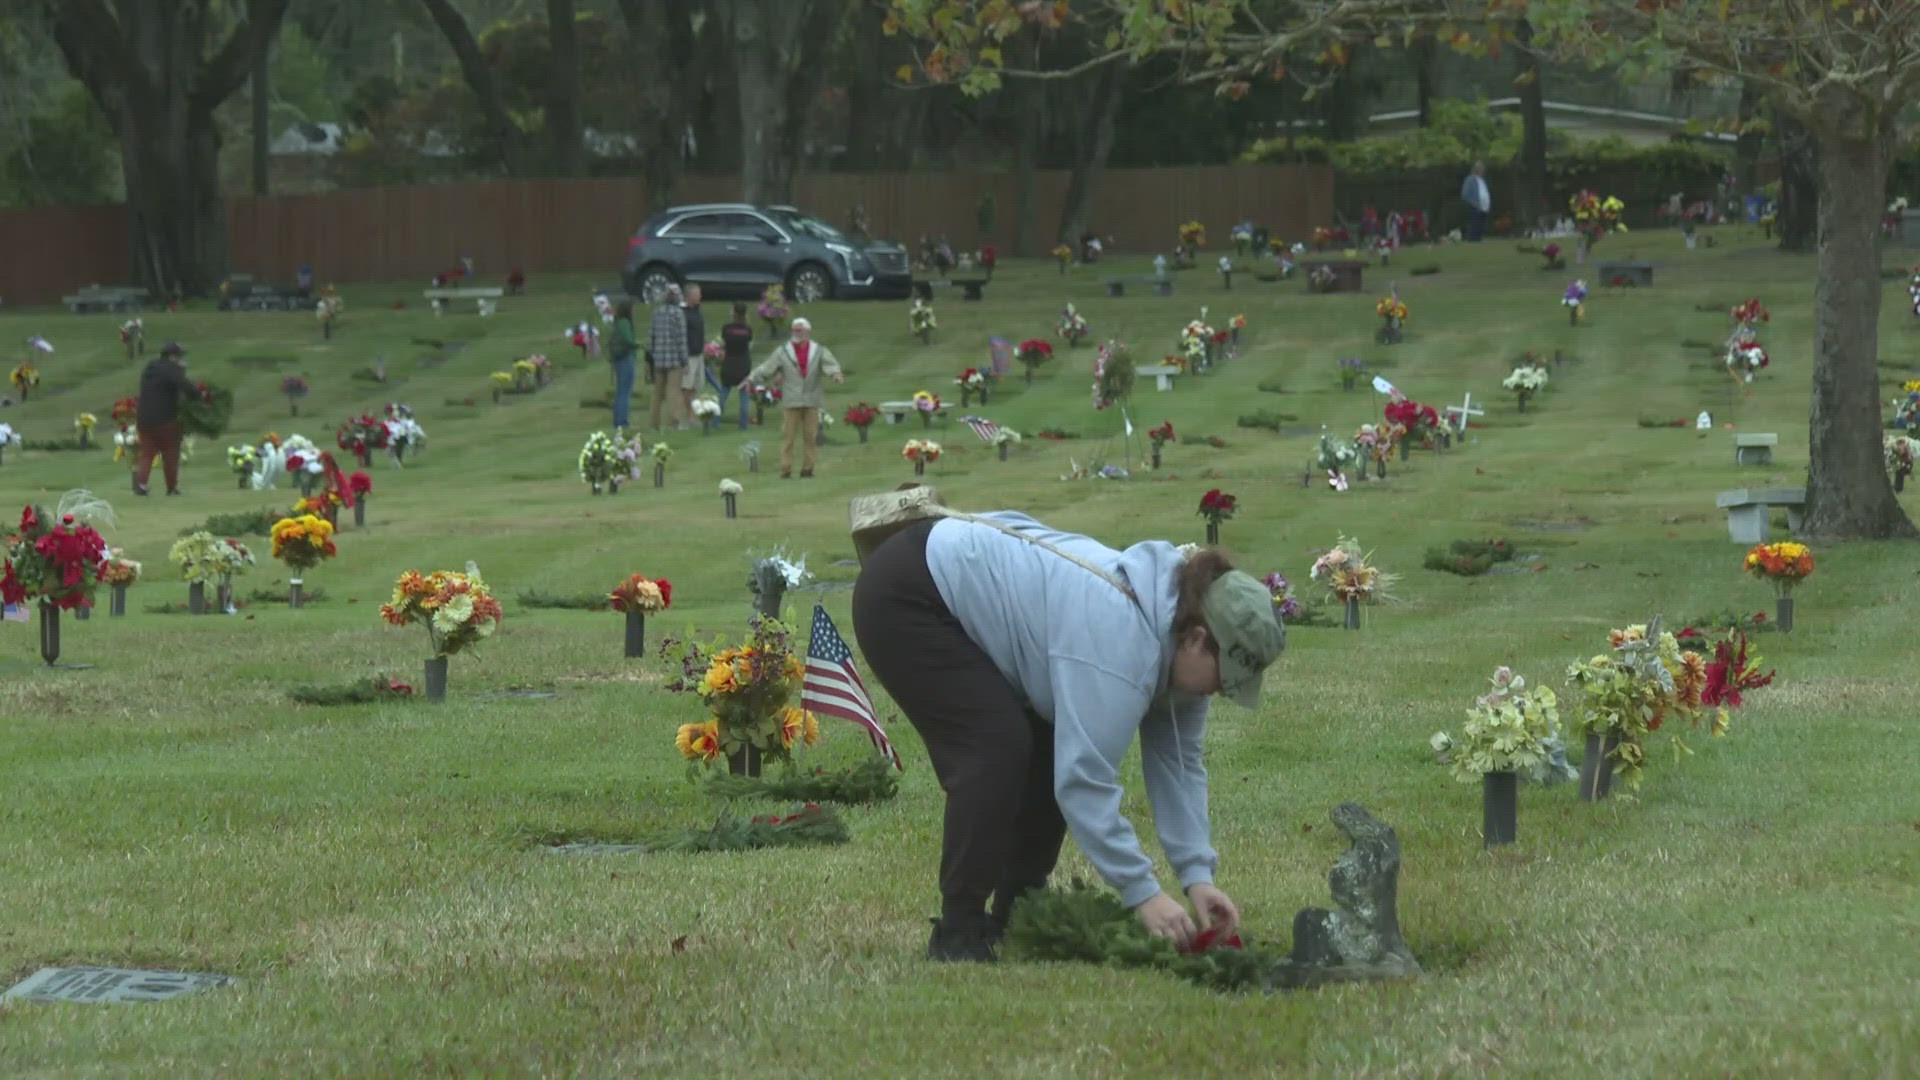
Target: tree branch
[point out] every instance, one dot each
(230, 64)
(99, 53)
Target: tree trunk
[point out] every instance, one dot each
(665, 43)
(148, 69)
(262, 136)
(1533, 128)
(562, 119)
(867, 96)
(778, 53)
(478, 72)
(1423, 61)
(1746, 151)
(1090, 162)
(1848, 493)
(1800, 167)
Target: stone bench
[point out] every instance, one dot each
(485, 298)
(94, 298)
(1749, 511)
(1117, 286)
(1638, 274)
(1162, 374)
(971, 288)
(1755, 449)
(896, 411)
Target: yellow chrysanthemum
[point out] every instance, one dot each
(719, 680)
(699, 742)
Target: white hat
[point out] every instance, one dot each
(801, 323)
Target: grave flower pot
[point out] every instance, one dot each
(759, 412)
(223, 597)
(920, 468)
(1446, 441)
(117, 605)
(613, 485)
(49, 633)
(364, 456)
(1004, 447)
(1899, 482)
(1499, 808)
(966, 396)
(862, 429)
(1353, 613)
(83, 613)
(1348, 382)
(1573, 316)
(437, 679)
(732, 504)
(753, 460)
(1156, 456)
(744, 761)
(1213, 533)
(360, 512)
(1306, 479)
(496, 396)
(197, 598)
(1523, 400)
(926, 418)
(768, 603)
(636, 633)
(1783, 613)
(1406, 447)
(1596, 770)
(596, 489)
(294, 597)
(293, 408)
(985, 392)
(659, 476)
(245, 479)
(1380, 467)
(400, 453)
(306, 484)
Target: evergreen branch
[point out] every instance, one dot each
(812, 825)
(873, 780)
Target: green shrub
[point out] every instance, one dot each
(1469, 558)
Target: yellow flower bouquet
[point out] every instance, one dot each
(747, 688)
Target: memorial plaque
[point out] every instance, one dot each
(88, 984)
(538, 695)
(598, 849)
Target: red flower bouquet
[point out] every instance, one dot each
(58, 563)
(642, 594)
(1034, 351)
(1161, 435)
(861, 415)
(360, 484)
(362, 435)
(125, 411)
(1217, 506)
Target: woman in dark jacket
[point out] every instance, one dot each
(737, 338)
(626, 344)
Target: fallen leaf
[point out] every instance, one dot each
(1588, 566)
(1539, 567)
(1306, 828)
(1478, 471)
(680, 944)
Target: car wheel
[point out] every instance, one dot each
(810, 282)
(653, 282)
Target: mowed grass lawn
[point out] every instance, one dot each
(373, 876)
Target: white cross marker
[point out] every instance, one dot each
(1464, 410)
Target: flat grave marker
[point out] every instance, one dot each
(107, 984)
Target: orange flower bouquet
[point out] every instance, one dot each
(458, 610)
(636, 598)
(747, 688)
(1785, 564)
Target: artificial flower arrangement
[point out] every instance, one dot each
(920, 318)
(1595, 216)
(1629, 692)
(1160, 437)
(705, 408)
(458, 610)
(714, 351)
(202, 557)
(642, 595)
(1073, 327)
(404, 433)
(1509, 729)
(1750, 313)
(1285, 604)
(746, 687)
(773, 307)
(84, 424)
(301, 457)
(1551, 253)
(329, 306)
(1113, 375)
(57, 558)
(1323, 236)
(243, 460)
(1783, 564)
(1193, 234)
(126, 443)
(1744, 358)
(1392, 309)
(1417, 420)
(303, 541)
(600, 462)
(1528, 378)
(362, 435)
(766, 396)
(295, 387)
(1574, 299)
(1335, 457)
(324, 505)
(1217, 506)
(1322, 279)
(1900, 451)
(133, 334)
(661, 454)
(1196, 341)
(503, 383)
(9, 437)
(921, 452)
(119, 572)
(1906, 411)
(1036, 351)
(125, 411)
(861, 415)
(926, 402)
(1371, 444)
(530, 373)
(730, 491)
(24, 378)
(988, 257)
(1349, 577)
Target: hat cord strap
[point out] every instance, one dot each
(1043, 545)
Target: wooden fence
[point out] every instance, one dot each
(380, 234)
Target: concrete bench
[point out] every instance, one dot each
(1755, 449)
(896, 411)
(1162, 374)
(1639, 274)
(94, 298)
(1162, 286)
(486, 298)
(971, 288)
(1749, 511)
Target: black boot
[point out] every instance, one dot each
(968, 939)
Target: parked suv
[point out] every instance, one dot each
(737, 247)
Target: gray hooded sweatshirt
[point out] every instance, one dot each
(1095, 664)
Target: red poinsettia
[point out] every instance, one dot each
(59, 564)
(360, 484)
(1412, 415)
(1162, 435)
(1730, 673)
(1035, 349)
(861, 414)
(1217, 506)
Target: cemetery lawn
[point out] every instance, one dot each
(374, 876)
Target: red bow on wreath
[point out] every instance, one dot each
(1212, 939)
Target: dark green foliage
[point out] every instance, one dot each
(246, 523)
(1469, 558)
(58, 445)
(534, 598)
(1265, 418)
(1090, 925)
(874, 780)
(1055, 433)
(207, 414)
(281, 596)
(357, 692)
(811, 825)
(1271, 386)
(1426, 270)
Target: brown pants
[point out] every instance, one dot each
(163, 441)
(993, 756)
(667, 393)
(804, 423)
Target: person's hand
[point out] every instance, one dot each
(1163, 916)
(839, 378)
(1211, 906)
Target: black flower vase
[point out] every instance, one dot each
(985, 391)
(1523, 401)
(1380, 466)
(768, 603)
(1499, 808)
(1446, 441)
(759, 412)
(306, 484)
(197, 598)
(659, 476)
(1213, 533)
(360, 512)
(293, 408)
(966, 396)
(596, 489)
(733, 506)
(1899, 482)
(636, 633)
(926, 418)
(400, 453)
(295, 599)
(1004, 447)
(753, 460)
(1156, 455)
(1783, 612)
(613, 485)
(83, 613)
(1596, 768)
(920, 467)
(117, 605)
(437, 679)
(863, 434)
(1353, 613)
(244, 479)
(1406, 447)
(744, 761)
(49, 633)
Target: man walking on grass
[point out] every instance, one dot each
(162, 385)
(1479, 200)
(799, 364)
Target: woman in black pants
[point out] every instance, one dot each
(1029, 660)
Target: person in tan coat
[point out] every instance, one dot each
(799, 365)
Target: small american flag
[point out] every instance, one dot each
(833, 687)
(982, 427)
(1001, 350)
